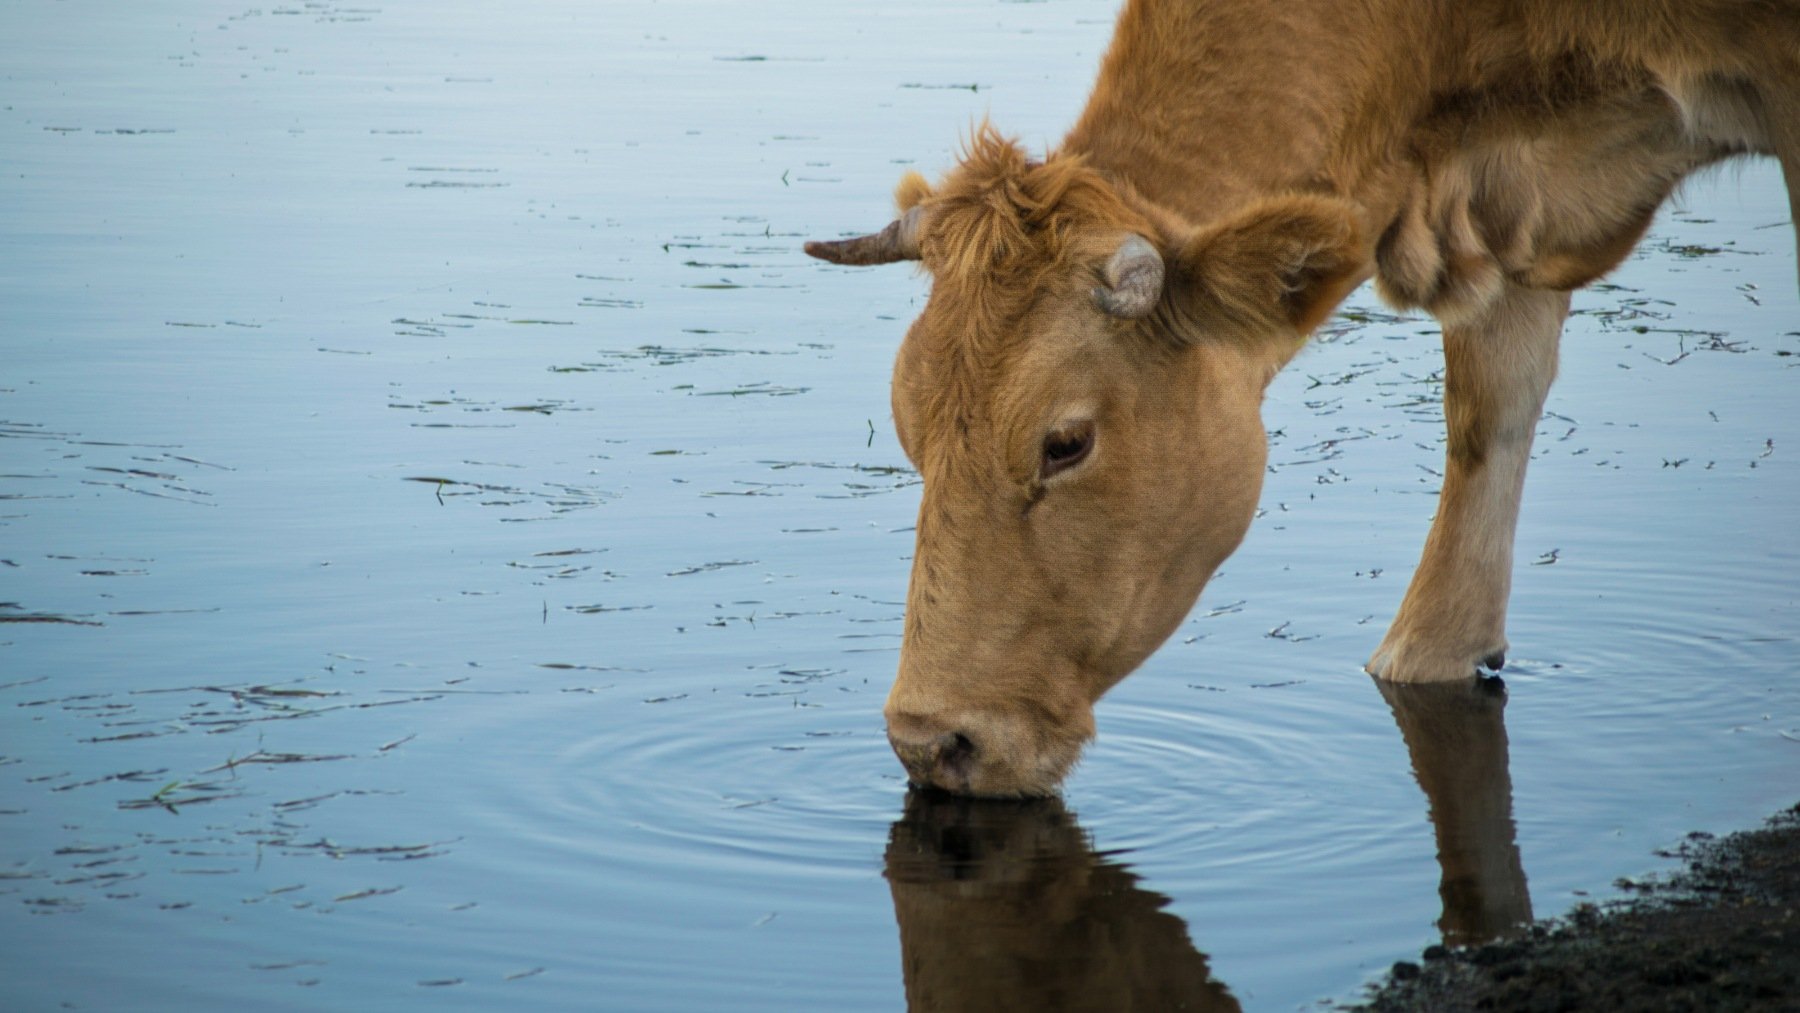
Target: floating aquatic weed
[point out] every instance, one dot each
(13, 612)
(1281, 633)
(664, 355)
(287, 966)
(150, 492)
(559, 498)
(731, 803)
(867, 469)
(543, 407)
(429, 325)
(178, 793)
(366, 894)
(806, 675)
(1693, 251)
(110, 878)
(380, 852)
(709, 567)
(763, 387)
(265, 757)
(136, 776)
(561, 571)
(313, 801)
(125, 737)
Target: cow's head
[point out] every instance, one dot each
(1082, 397)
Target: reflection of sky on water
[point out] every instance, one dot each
(452, 539)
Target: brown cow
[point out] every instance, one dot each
(1082, 391)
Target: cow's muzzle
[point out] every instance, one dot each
(985, 753)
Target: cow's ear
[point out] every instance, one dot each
(1283, 262)
(911, 191)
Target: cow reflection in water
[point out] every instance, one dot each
(1006, 905)
(1456, 736)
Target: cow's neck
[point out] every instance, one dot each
(1201, 107)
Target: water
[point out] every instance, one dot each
(452, 545)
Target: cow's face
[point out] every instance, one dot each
(1079, 489)
(1083, 404)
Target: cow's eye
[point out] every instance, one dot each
(1067, 447)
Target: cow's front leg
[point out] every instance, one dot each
(1497, 370)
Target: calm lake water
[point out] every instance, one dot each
(452, 545)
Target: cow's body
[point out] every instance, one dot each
(1081, 392)
(1481, 140)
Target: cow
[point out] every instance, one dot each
(1081, 393)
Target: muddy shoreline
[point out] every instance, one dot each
(1723, 933)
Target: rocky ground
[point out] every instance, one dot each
(1722, 934)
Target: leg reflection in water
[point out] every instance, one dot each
(1006, 906)
(1455, 733)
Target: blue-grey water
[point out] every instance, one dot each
(452, 542)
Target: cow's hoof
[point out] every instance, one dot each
(1402, 658)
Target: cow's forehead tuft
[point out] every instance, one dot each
(1000, 220)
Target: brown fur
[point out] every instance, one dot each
(999, 220)
(1479, 158)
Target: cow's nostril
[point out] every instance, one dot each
(944, 759)
(960, 747)
(957, 754)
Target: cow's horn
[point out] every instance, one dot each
(899, 241)
(1134, 279)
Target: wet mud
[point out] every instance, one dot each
(1722, 933)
